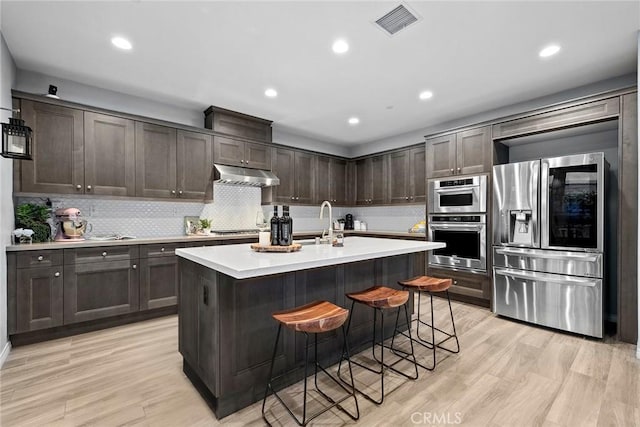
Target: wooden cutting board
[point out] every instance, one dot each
(291, 248)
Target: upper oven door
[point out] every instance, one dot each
(465, 195)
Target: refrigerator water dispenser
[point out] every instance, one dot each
(520, 227)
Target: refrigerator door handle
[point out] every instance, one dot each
(531, 253)
(549, 278)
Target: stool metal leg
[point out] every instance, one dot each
(383, 366)
(432, 344)
(334, 403)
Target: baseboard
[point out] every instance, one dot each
(5, 353)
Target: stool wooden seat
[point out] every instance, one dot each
(430, 285)
(313, 318)
(316, 317)
(427, 283)
(380, 297)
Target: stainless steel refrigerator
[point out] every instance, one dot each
(548, 242)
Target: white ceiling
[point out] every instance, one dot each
(475, 56)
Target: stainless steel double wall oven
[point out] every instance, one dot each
(548, 236)
(458, 217)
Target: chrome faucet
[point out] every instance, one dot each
(330, 232)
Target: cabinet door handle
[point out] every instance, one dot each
(407, 198)
(180, 192)
(173, 191)
(459, 170)
(40, 258)
(452, 170)
(57, 274)
(242, 161)
(161, 249)
(104, 254)
(88, 188)
(78, 187)
(455, 282)
(134, 266)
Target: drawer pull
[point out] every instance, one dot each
(78, 187)
(88, 188)
(40, 258)
(161, 249)
(57, 274)
(135, 266)
(104, 254)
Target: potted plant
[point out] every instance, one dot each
(205, 225)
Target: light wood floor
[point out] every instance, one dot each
(507, 374)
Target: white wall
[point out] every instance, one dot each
(7, 78)
(417, 136)
(191, 115)
(638, 83)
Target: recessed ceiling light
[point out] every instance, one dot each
(550, 50)
(340, 46)
(121, 43)
(270, 93)
(354, 120)
(425, 94)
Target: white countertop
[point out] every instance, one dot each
(241, 262)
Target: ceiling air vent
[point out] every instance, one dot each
(396, 20)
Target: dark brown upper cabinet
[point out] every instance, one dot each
(172, 163)
(238, 124)
(109, 155)
(194, 165)
(406, 176)
(370, 180)
(296, 172)
(236, 152)
(331, 180)
(58, 149)
(78, 152)
(459, 153)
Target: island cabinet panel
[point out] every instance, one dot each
(227, 332)
(39, 295)
(320, 284)
(58, 149)
(109, 155)
(97, 290)
(246, 307)
(198, 329)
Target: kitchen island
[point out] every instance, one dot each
(227, 295)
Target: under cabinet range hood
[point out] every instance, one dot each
(243, 176)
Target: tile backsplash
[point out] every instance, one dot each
(233, 207)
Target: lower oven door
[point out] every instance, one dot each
(569, 303)
(465, 250)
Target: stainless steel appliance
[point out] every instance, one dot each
(548, 238)
(462, 195)
(244, 176)
(466, 239)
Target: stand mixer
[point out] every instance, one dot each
(70, 225)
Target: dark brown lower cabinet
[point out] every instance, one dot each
(468, 287)
(98, 290)
(39, 295)
(158, 282)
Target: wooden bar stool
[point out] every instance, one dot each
(427, 284)
(381, 298)
(314, 318)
